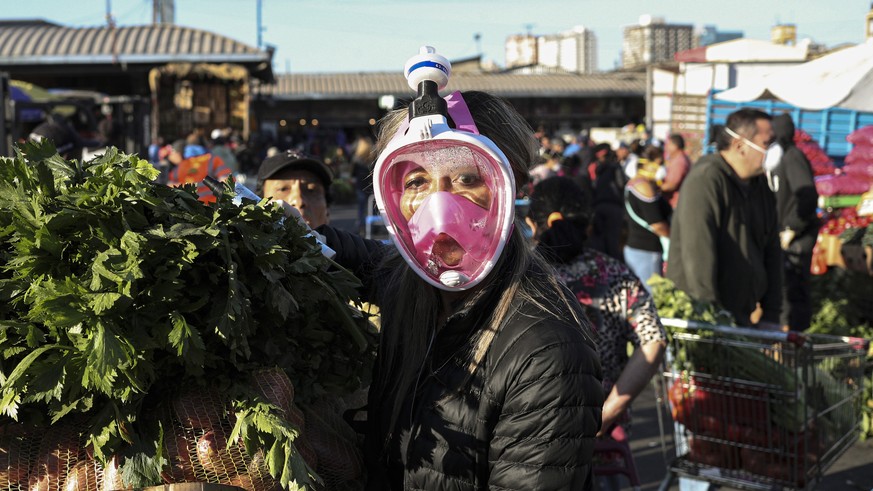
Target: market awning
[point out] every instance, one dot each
(841, 79)
(37, 42)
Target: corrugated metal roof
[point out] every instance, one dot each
(38, 43)
(375, 84)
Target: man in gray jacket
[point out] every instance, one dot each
(724, 243)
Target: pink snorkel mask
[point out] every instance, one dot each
(447, 195)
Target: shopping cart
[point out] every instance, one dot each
(760, 410)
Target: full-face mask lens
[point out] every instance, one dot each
(446, 201)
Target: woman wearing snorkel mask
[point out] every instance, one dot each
(486, 375)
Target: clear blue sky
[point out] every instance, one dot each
(375, 35)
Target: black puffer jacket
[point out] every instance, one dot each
(526, 419)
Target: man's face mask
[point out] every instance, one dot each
(773, 157)
(771, 161)
(447, 198)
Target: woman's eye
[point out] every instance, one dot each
(468, 179)
(414, 182)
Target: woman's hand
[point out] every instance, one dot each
(291, 211)
(641, 367)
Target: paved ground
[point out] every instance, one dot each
(851, 472)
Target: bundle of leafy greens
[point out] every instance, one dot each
(673, 303)
(116, 292)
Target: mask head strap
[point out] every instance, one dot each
(460, 113)
(745, 140)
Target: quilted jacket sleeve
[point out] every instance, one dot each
(549, 410)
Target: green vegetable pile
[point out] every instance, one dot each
(116, 292)
(857, 235)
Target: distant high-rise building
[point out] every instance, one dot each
(654, 41)
(521, 50)
(711, 35)
(574, 50)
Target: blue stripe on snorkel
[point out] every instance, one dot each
(427, 64)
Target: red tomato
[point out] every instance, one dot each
(707, 425)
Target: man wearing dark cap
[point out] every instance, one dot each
(299, 180)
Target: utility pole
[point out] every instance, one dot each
(260, 25)
(110, 24)
(477, 37)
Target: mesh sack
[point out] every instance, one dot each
(199, 423)
(202, 421)
(52, 459)
(197, 447)
(337, 446)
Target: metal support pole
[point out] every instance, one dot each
(4, 95)
(260, 24)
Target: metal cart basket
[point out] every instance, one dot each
(760, 410)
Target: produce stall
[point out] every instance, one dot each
(147, 338)
(846, 204)
(186, 96)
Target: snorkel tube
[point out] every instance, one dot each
(427, 73)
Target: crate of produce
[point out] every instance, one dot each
(837, 201)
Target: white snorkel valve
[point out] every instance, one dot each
(427, 65)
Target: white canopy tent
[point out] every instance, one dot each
(841, 79)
